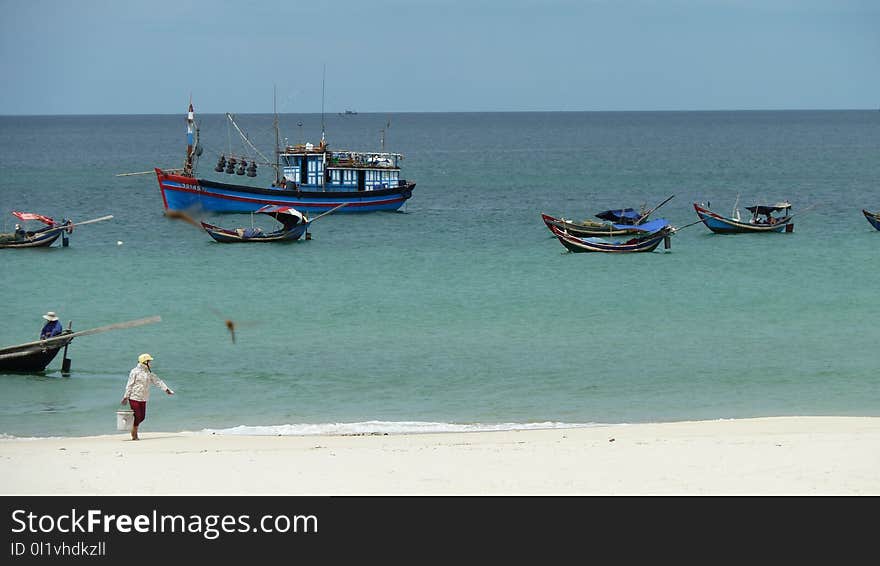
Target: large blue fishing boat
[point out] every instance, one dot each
(309, 177)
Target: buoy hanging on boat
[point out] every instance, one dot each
(252, 169)
(240, 170)
(230, 165)
(221, 164)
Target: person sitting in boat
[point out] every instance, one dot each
(770, 220)
(52, 326)
(20, 233)
(246, 233)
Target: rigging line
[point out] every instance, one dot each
(244, 137)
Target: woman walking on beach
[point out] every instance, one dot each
(137, 390)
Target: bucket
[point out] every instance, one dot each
(124, 419)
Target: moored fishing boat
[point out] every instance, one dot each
(647, 242)
(873, 218)
(761, 220)
(43, 237)
(617, 222)
(309, 177)
(293, 225)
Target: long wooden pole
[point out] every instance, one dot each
(650, 212)
(116, 326)
(334, 209)
(74, 224)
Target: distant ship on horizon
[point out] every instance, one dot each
(348, 113)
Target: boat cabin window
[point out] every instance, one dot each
(291, 168)
(377, 180)
(342, 178)
(315, 170)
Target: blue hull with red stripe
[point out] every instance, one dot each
(187, 193)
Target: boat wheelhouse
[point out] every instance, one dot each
(316, 168)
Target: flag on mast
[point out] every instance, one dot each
(33, 216)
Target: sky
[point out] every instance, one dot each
(149, 57)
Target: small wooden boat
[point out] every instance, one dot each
(33, 357)
(647, 242)
(43, 237)
(589, 228)
(293, 225)
(873, 218)
(618, 222)
(761, 220)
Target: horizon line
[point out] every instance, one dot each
(461, 112)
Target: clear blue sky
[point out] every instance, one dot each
(148, 56)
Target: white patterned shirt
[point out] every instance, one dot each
(139, 380)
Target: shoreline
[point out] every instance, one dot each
(768, 455)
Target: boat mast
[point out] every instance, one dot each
(382, 139)
(323, 178)
(190, 123)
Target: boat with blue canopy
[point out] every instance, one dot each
(616, 222)
(762, 219)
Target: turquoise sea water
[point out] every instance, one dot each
(460, 312)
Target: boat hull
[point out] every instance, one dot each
(579, 245)
(37, 239)
(723, 225)
(29, 359)
(584, 231)
(227, 236)
(873, 218)
(188, 193)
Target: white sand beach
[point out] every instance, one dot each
(774, 456)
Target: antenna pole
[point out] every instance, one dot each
(323, 77)
(277, 148)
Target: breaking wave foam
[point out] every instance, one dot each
(385, 427)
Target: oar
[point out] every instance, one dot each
(118, 325)
(334, 209)
(650, 212)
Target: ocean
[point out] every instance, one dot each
(461, 311)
